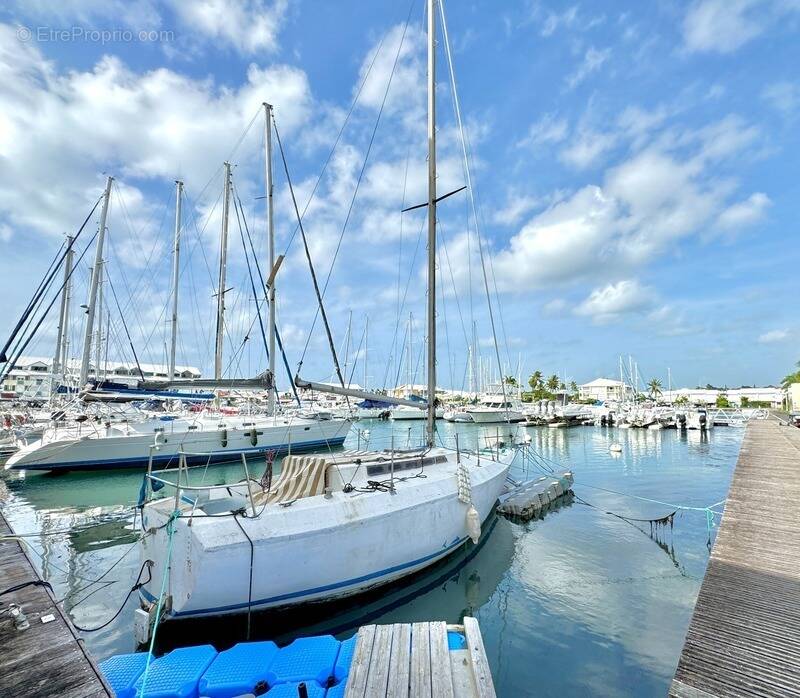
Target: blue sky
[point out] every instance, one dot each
(635, 171)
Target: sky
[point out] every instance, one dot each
(633, 169)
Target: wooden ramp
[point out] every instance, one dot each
(414, 660)
(744, 637)
(47, 659)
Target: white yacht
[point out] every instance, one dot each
(494, 409)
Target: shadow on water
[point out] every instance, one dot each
(454, 587)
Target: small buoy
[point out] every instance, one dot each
(615, 448)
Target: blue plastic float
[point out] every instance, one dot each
(254, 668)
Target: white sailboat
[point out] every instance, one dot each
(330, 525)
(95, 445)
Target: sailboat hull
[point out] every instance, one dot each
(117, 447)
(318, 548)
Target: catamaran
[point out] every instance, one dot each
(330, 525)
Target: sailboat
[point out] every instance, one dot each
(100, 444)
(330, 525)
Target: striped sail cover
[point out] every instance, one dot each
(300, 476)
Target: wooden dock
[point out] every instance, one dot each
(47, 659)
(402, 660)
(744, 637)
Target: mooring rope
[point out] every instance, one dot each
(171, 536)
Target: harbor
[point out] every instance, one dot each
(620, 575)
(343, 358)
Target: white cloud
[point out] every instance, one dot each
(783, 96)
(557, 306)
(548, 129)
(587, 148)
(249, 26)
(592, 61)
(62, 129)
(721, 25)
(516, 206)
(615, 300)
(744, 213)
(773, 336)
(554, 20)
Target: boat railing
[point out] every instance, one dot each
(181, 482)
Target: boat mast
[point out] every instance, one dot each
(176, 258)
(366, 348)
(223, 259)
(98, 336)
(430, 430)
(60, 357)
(271, 241)
(91, 303)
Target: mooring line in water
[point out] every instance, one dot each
(709, 510)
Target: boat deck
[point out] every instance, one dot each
(417, 660)
(47, 659)
(744, 637)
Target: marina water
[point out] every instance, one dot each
(580, 602)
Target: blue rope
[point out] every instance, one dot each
(170, 533)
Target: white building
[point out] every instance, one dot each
(604, 389)
(794, 397)
(769, 395)
(31, 376)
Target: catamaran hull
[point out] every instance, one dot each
(351, 544)
(133, 451)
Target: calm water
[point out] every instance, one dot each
(577, 603)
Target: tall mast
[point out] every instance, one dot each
(98, 335)
(60, 357)
(271, 240)
(91, 303)
(223, 260)
(430, 430)
(366, 348)
(176, 260)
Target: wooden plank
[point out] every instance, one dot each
(378, 677)
(744, 636)
(420, 679)
(441, 672)
(484, 685)
(359, 668)
(461, 672)
(47, 659)
(400, 662)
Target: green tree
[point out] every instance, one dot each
(792, 377)
(681, 400)
(722, 400)
(510, 380)
(654, 388)
(573, 388)
(552, 383)
(535, 381)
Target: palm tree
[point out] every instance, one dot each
(573, 388)
(510, 380)
(552, 383)
(535, 380)
(654, 388)
(792, 377)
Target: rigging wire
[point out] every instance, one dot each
(468, 177)
(321, 306)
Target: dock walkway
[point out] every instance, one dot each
(744, 637)
(414, 660)
(47, 659)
